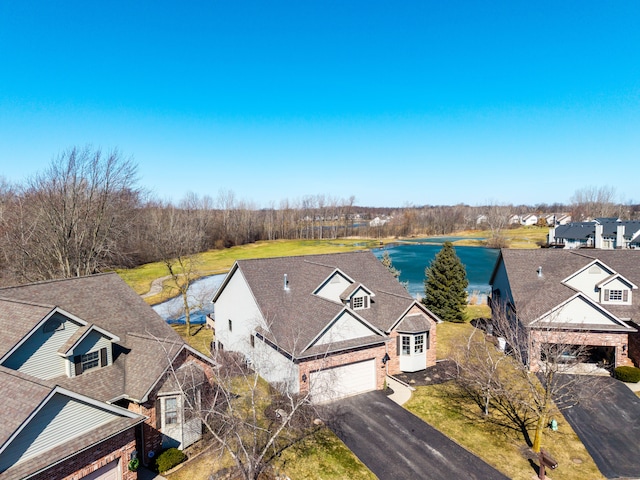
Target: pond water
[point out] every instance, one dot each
(410, 258)
(200, 295)
(413, 258)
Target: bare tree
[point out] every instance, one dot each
(71, 220)
(529, 378)
(178, 234)
(594, 202)
(497, 221)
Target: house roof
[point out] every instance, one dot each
(144, 340)
(538, 294)
(23, 396)
(295, 316)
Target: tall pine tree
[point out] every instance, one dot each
(444, 285)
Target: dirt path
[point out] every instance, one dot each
(156, 286)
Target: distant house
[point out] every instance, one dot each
(332, 325)
(555, 219)
(529, 220)
(85, 373)
(588, 298)
(602, 233)
(378, 222)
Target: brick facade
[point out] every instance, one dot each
(620, 342)
(393, 365)
(118, 448)
(149, 434)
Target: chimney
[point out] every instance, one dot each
(286, 282)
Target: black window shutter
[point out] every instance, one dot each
(427, 340)
(606, 295)
(158, 414)
(77, 360)
(103, 357)
(399, 345)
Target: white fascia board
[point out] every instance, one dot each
(593, 304)
(614, 277)
(329, 324)
(603, 265)
(75, 396)
(53, 311)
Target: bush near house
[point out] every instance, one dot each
(627, 374)
(169, 459)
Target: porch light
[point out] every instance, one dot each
(624, 347)
(304, 377)
(386, 358)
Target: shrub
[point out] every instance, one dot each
(627, 374)
(169, 459)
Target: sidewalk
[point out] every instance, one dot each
(146, 474)
(401, 391)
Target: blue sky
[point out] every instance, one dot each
(395, 103)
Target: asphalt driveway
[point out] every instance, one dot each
(395, 444)
(607, 420)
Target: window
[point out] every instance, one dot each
(418, 346)
(98, 358)
(230, 326)
(170, 411)
(406, 345)
(90, 360)
(615, 295)
(357, 302)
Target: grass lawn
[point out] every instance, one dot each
(497, 445)
(200, 339)
(521, 237)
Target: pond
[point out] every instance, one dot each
(413, 258)
(200, 296)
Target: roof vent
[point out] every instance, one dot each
(539, 271)
(286, 282)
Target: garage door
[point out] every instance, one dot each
(110, 471)
(338, 382)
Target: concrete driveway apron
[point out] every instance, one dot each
(395, 444)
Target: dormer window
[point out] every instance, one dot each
(90, 360)
(358, 303)
(616, 295)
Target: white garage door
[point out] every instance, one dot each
(338, 382)
(111, 471)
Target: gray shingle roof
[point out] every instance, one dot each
(106, 301)
(296, 316)
(532, 292)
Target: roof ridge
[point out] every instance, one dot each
(27, 378)
(25, 302)
(55, 280)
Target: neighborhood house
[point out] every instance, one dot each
(330, 325)
(586, 298)
(90, 379)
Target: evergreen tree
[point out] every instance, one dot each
(444, 285)
(386, 261)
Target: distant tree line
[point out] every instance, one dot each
(86, 213)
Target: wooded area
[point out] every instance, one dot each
(86, 213)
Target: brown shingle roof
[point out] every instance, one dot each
(296, 316)
(543, 292)
(106, 301)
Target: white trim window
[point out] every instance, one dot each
(171, 410)
(360, 302)
(413, 344)
(90, 360)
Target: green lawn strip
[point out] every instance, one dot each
(322, 456)
(200, 339)
(499, 446)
